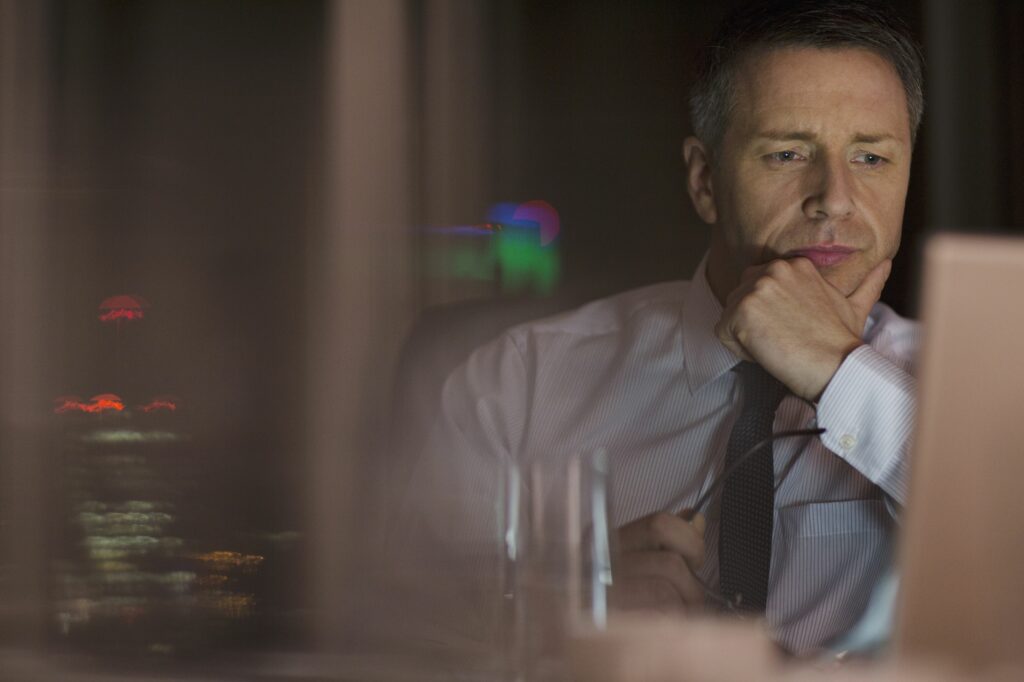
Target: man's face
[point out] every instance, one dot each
(814, 162)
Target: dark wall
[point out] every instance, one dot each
(1010, 28)
(601, 108)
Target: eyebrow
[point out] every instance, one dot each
(786, 135)
(807, 136)
(872, 139)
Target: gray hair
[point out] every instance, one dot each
(800, 23)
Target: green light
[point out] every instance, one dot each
(514, 256)
(526, 264)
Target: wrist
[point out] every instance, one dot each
(831, 363)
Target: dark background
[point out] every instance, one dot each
(601, 94)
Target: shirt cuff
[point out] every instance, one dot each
(868, 412)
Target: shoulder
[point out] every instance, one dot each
(649, 306)
(586, 343)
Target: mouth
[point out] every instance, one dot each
(823, 255)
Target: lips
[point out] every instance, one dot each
(823, 255)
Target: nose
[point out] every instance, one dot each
(830, 194)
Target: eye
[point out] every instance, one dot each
(871, 160)
(783, 157)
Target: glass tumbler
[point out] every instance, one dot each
(557, 557)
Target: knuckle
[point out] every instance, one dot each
(765, 285)
(742, 307)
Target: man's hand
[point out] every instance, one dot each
(790, 320)
(654, 567)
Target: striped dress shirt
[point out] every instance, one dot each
(643, 376)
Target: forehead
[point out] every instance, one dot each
(824, 91)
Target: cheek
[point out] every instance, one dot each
(886, 214)
(766, 205)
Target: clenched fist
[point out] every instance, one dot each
(790, 320)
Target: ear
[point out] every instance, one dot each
(698, 179)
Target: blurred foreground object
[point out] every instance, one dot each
(648, 648)
(962, 555)
(657, 648)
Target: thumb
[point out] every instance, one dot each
(870, 289)
(695, 518)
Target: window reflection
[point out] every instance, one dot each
(155, 201)
(137, 570)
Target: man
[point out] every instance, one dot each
(805, 116)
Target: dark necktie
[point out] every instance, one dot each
(748, 498)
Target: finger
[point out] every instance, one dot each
(747, 284)
(698, 521)
(664, 531)
(869, 291)
(655, 567)
(724, 334)
(752, 273)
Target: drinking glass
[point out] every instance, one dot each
(558, 560)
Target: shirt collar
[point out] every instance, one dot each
(705, 357)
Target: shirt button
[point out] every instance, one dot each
(847, 441)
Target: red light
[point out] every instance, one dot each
(123, 307)
(121, 314)
(68, 403)
(160, 404)
(99, 403)
(102, 403)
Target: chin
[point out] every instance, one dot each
(844, 279)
